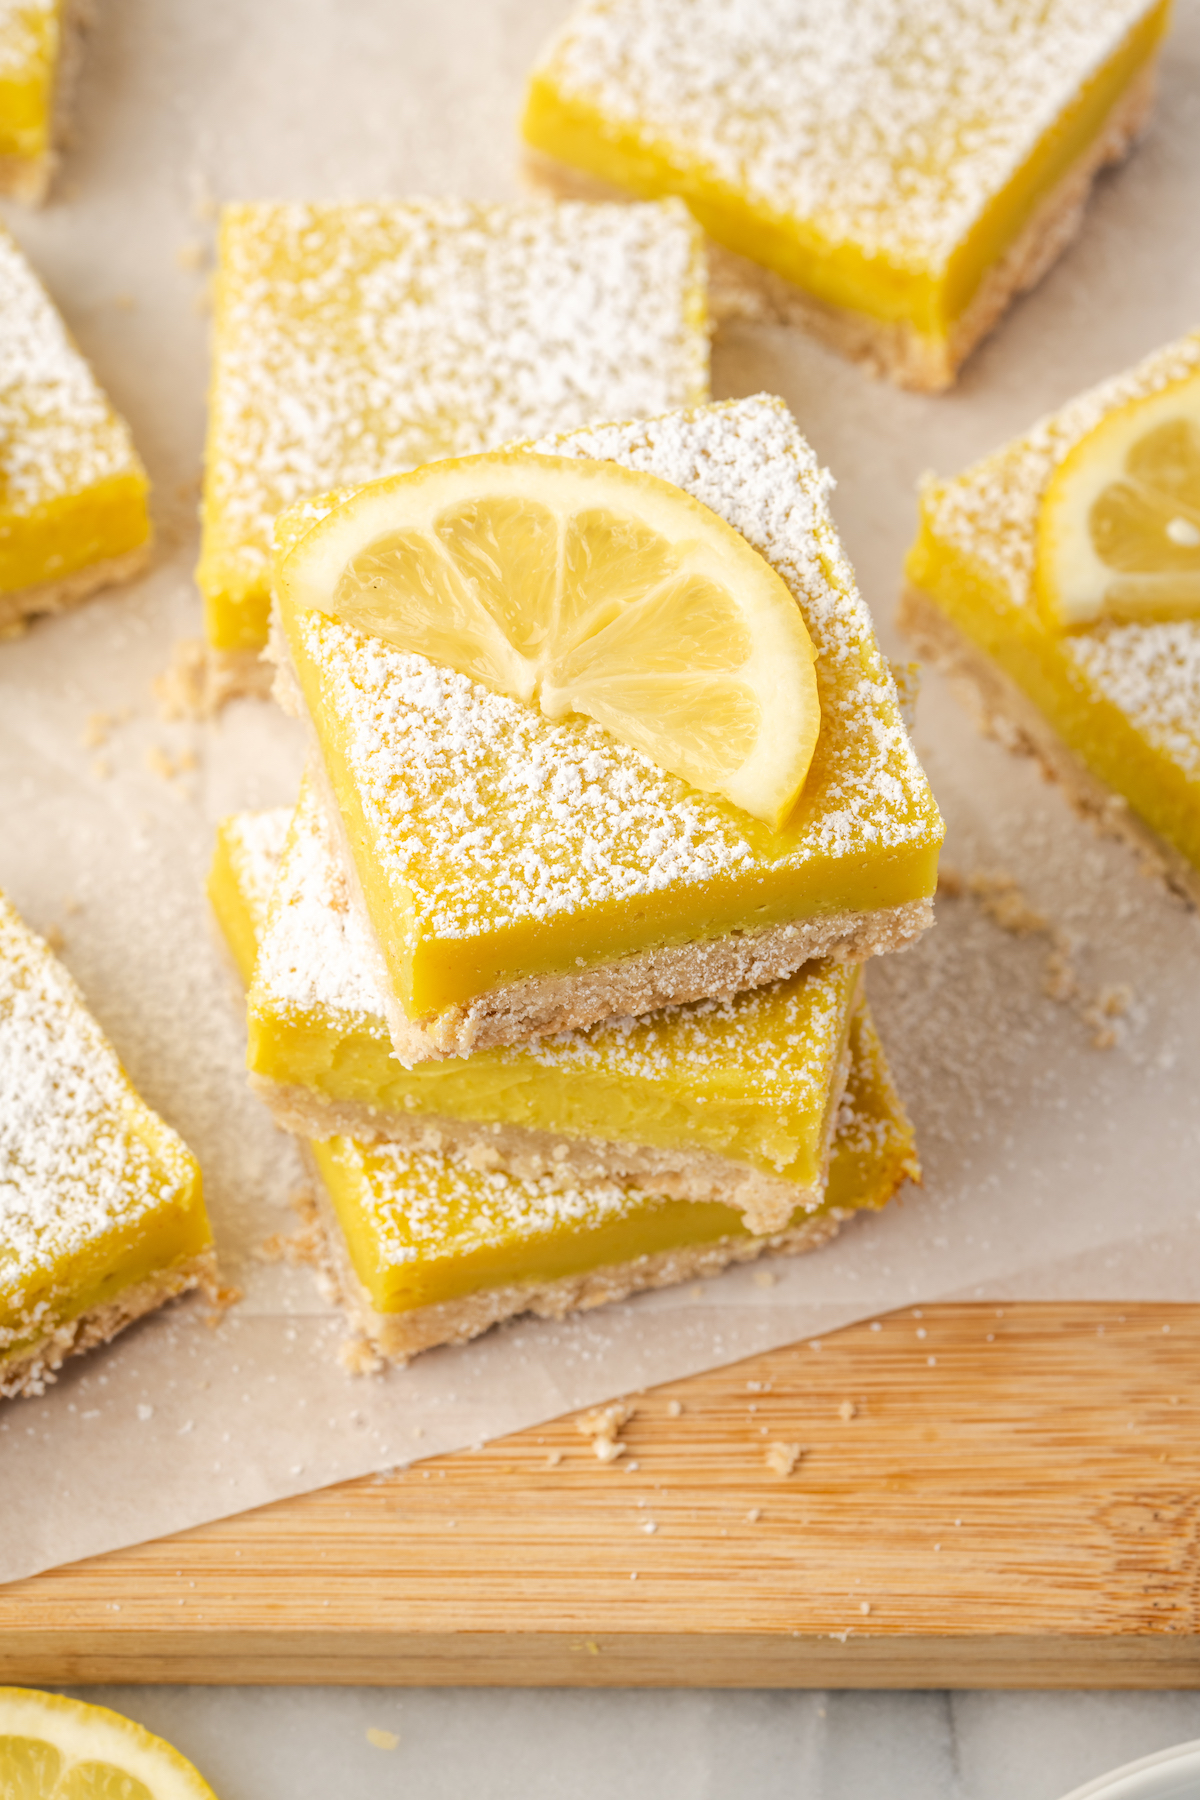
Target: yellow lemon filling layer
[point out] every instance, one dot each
(493, 844)
(97, 1193)
(884, 168)
(72, 491)
(422, 1229)
(1125, 697)
(354, 341)
(754, 1079)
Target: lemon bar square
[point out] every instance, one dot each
(355, 341)
(101, 1214)
(1112, 712)
(522, 877)
(428, 1248)
(40, 42)
(733, 1100)
(890, 176)
(73, 512)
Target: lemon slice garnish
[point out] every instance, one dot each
(56, 1749)
(583, 587)
(1119, 529)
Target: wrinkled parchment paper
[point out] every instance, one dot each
(1054, 1169)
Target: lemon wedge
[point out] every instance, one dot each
(1119, 529)
(56, 1749)
(583, 587)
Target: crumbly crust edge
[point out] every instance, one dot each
(199, 681)
(741, 289)
(1002, 711)
(34, 1370)
(398, 1337)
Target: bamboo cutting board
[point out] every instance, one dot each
(986, 1497)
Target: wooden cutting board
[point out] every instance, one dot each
(986, 1497)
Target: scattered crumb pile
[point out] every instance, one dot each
(198, 681)
(1001, 898)
(602, 1424)
(782, 1459)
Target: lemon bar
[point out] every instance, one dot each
(1112, 711)
(522, 876)
(73, 512)
(427, 1248)
(40, 43)
(889, 177)
(733, 1100)
(101, 1215)
(353, 341)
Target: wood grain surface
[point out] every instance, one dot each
(1001, 1497)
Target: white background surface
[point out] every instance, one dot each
(1028, 1127)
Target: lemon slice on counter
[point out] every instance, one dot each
(56, 1749)
(583, 587)
(1119, 529)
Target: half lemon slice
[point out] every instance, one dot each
(1119, 529)
(56, 1749)
(583, 587)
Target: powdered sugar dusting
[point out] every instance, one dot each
(58, 433)
(72, 1165)
(482, 813)
(875, 122)
(356, 341)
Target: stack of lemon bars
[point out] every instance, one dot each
(556, 966)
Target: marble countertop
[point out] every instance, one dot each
(312, 1743)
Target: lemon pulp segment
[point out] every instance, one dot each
(54, 1748)
(753, 1079)
(353, 341)
(1119, 526)
(1124, 696)
(492, 843)
(98, 1194)
(883, 158)
(421, 1229)
(29, 42)
(72, 491)
(588, 588)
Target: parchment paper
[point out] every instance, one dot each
(1053, 1169)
